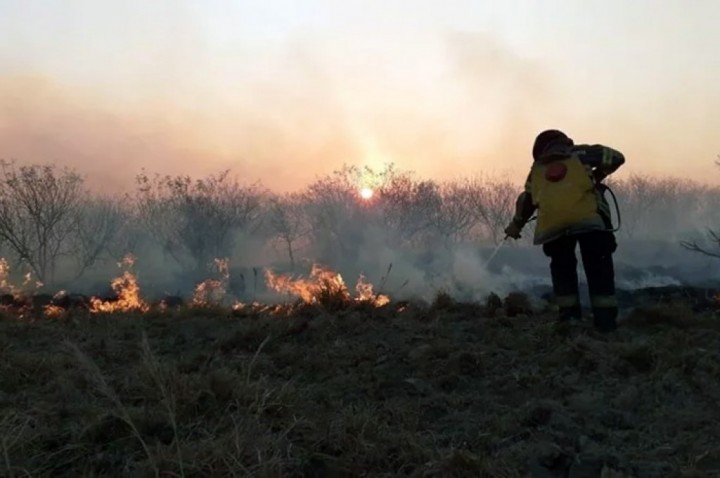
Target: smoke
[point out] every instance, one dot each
(462, 100)
(458, 104)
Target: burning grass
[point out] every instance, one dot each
(322, 288)
(325, 287)
(127, 289)
(212, 292)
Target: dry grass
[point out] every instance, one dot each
(432, 391)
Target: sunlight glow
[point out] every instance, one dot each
(366, 193)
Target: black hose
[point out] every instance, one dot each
(605, 188)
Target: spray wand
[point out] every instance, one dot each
(497, 249)
(501, 244)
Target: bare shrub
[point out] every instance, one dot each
(338, 217)
(409, 209)
(99, 225)
(199, 220)
(47, 219)
(454, 215)
(494, 204)
(288, 222)
(649, 205)
(131, 235)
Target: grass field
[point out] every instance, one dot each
(444, 389)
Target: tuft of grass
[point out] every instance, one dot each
(517, 303)
(641, 356)
(493, 303)
(442, 301)
(98, 379)
(13, 428)
(677, 316)
(163, 382)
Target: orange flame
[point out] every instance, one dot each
(5, 275)
(128, 290)
(212, 291)
(323, 282)
(366, 293)
(260, 308)
(28, 279)
(6, 284)
(309, 290)
(53, 311)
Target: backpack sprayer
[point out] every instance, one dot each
(603, 188)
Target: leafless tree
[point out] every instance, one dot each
(47, 219)
(197, 221)
(38, 213)
(712, 234)
(641, 197)
(98, 226)
(338, 216)
(696, 247)
(332, 201)
(409, 208)
(288, 221)
(131, 233)
(494, 202)
(455, 217)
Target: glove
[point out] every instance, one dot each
(513, 230)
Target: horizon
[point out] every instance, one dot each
(281, 93)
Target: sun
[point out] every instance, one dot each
(366, 193)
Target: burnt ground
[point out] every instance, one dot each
(443, 390)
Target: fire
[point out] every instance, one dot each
(53, 311)
(321, 281)
(323, 286)
(128, 290)
(4, 270)
(5, 275)
(128, 261)
(212, 291)
(6, 284)
(259, 308)
(29, 279)
(366, 293)
(324, 283)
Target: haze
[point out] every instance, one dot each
(282, 91)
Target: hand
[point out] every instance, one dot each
(513, 230)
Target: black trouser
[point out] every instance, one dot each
(596, 249)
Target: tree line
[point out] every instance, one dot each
(54, 228)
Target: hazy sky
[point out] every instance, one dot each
(283, 90)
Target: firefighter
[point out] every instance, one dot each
(564, 186)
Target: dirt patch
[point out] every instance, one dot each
(442, 390)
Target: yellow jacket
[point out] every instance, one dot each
(562, 187)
